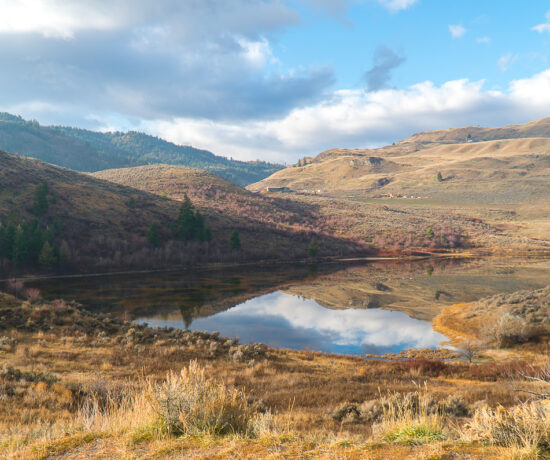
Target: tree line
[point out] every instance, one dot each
(24, 244)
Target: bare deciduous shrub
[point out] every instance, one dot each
(15, 286)
(470, 349)
(32, 294)
(510, 330)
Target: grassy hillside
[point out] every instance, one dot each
(218, 196)
(84, 150)
(501, 182)
(102, 225)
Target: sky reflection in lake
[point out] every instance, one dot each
(287, 321)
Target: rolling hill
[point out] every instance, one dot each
(95, 224)
(87, 151)
(216, 196)
(500, 176)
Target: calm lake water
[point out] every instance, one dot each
(376, 307)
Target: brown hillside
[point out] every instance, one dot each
(504, 183)
(537, 128)
(216, 196)
(103, 225)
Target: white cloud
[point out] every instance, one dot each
(145, 59)
(354, 118)
(457, 30)
(397, 5)
(544, 27)
(506, 61)
(179, 20)
(51, 18)
(280, 314)
(484, 40)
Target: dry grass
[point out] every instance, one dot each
(412, 421)
(82, 392)
(523, 428)
(519, 321)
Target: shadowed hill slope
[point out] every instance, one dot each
(217, 196)
(102, 225)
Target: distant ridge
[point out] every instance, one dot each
(89, 151)
(537, 128)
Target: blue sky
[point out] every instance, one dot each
(421, 34)
(275, 79)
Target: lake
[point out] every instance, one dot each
(370, 307)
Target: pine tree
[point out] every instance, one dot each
(47, 255)
(207, 234)
(190, 224)
(7, 240)
(439, 177)
(186, 220)
(153, 236)
(20, 254)
(235, 241)
(40, 205)
(36, 240)
(312, 250)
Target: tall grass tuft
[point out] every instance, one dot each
(192, 403)
(412, 422)
(185, 403)
(523, 427)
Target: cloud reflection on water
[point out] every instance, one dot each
(283, 320)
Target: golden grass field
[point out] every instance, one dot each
(500, 177)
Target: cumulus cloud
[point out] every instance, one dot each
(354, 118)
(181, 20)
(285, 320)
(384, 61)
(153, 60)
(397, 5)
(544, 27)
(457, 31)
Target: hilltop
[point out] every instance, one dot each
(93, 224)
(216, 195)
(88, 151)
(497, 176)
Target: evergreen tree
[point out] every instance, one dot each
(153, 236)
(430, 233)
(36, 240)
(20, 254)
(7, 240)
(47, 255)
(40, 205)
(190, 224)
(186, 220)
(312, 250)
(235, 241)
(207, 234)
(439, 177)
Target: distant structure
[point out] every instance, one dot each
(278, 189)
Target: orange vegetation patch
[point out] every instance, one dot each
(457, 323)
